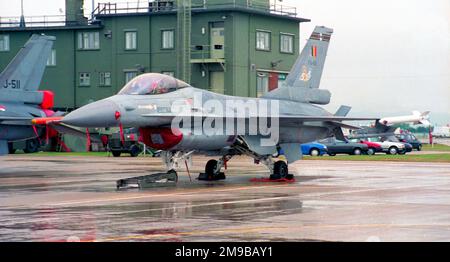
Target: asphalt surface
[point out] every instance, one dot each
(67, 198)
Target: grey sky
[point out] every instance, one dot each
(386, 57)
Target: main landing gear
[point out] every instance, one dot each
(278, 170)
(212, 169)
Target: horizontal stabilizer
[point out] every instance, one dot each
(343, 110)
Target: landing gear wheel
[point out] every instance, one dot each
(210, 168)
(31, 146)
(280, 170)
(210, 172)
(116, 153)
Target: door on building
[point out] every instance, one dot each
(273, 81)
(262, 84)
(217, 82)
(217, 40)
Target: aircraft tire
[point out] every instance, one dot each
(210, 168)
(31, 146)
(280, 170)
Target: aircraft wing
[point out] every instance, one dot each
(283, 119)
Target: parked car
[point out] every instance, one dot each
(410, 139)
(314, 149)
(390, 148)
(372, 147)
(335, 147)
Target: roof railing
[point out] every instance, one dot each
(168, 6)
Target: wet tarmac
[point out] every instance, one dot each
(74, 199)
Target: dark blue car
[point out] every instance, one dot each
(314, 149)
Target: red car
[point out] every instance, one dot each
(373, 147)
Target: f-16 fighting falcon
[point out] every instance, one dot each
(180, 119)
(20, 100)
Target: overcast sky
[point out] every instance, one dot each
(386, 57)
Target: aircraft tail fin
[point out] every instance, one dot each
(25, 71)
(302, 83)
(307, 70)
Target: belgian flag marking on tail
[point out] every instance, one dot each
(314, 51)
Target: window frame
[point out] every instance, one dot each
(8, 47)
(269, 42)
(102, 79)
(88, 77)
(132, 31)
(292, 36)
(51, 60)
(162, 39)
(82, 40)
(125, 72)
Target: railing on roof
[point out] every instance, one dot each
(39, 21)
(36, 21)
(167, 6)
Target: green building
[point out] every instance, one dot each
(235, 47)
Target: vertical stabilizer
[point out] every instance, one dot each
(308, 68)
(25, 71)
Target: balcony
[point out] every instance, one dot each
(197, 6)
(202, 54)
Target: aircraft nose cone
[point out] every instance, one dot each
(102, 113)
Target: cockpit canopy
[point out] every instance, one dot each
(152, 84)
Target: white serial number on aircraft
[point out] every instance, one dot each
(225, 252)
(14, 84)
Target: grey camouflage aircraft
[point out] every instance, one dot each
(151, 102)
(20, 99)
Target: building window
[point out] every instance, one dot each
(263, 40)
(169, 73)
(167, 39)
(105, 79)
(286, 43)
(85, 79)
(130, 40)
(4, 43)
(262, 84)
(51, 60)
(88, 40)
(130, 75)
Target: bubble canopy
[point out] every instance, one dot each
(152, 84)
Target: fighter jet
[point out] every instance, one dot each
(385, 127)
(20, 99)
(180, 119)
